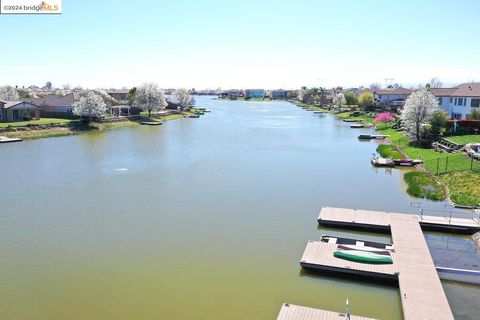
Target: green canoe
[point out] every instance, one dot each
(363, 256)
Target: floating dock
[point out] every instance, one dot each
(421, 291)
(295, 312)
(381, 221)
(4, 139)
(319, 256)
(359, 125)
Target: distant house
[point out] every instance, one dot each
(458, 101)
(18, 111)
(254, 93)
(53, 106)
(277, 94)
(231, 94)
(120, 95)
(394, 97)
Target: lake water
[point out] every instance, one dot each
(197, 219)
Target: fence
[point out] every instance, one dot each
(450, 163)
(444, 162)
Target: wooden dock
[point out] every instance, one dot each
(381, 221)
(421, 291)
(4, 139)
(319, 256)
(295, 312)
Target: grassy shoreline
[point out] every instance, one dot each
(50, 128)
(459, 185)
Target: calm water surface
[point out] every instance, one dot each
(198, 219)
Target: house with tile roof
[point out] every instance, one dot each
(458, 101)
(53, 106)
(391, 96)
(18, 111)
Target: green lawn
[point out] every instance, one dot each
(40, 121)
(422, 185)
(346, 115)
(473, 138)
(389, 151)
(453, 169)
(432, 158)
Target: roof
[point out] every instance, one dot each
(469, 89)
(394, 91)
(55, 101)
(10, 104)
(442, 92)
(118, 91)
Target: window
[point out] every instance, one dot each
(440, 101)
(460, 101)
(456, 115)
(15, 115)
(475, 103)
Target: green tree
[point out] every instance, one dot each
(474, 115)
(131, 96)
(438, 122)
(351, 98)
(366, 99)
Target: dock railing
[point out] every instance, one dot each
(470, 214)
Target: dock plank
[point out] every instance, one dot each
(295, 312)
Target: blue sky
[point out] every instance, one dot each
(269, 44)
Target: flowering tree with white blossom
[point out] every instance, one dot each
(8, 93)
(339, 100)
(183, 99)
(90, 106)
(418, 111)
(150, 97)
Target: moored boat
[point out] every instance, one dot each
(365, 136)
(356, 242)
(382, 162)
(407, 162)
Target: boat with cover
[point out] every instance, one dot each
(407, 162)
(356, 242)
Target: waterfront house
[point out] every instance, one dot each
(53, 106)
(393, 97)
(18, 111)
(277, 94)
(458, 101)
(120, 95)
(254, 93)
(231, 94)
